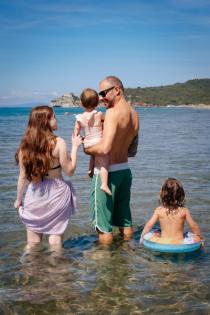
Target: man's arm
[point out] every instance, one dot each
(109, 132)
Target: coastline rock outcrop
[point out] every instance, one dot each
(66, 100)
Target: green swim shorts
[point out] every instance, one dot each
(108, 211)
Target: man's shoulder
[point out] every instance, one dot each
(134, 112)
(112, 112)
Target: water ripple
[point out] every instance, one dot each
(123, 278)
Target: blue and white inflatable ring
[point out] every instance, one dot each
(189, 244)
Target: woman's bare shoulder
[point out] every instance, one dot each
(60, 141)
(60, 144)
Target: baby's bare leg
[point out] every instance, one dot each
(104, 181)
(103, 163)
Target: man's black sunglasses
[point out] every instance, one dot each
(104, 92)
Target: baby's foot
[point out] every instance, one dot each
(90, 173)
(106, 189)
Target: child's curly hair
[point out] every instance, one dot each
(172, 194)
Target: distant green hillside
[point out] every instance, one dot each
(191, 92)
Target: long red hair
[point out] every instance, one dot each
(37, 144)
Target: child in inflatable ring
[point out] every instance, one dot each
(172, 216)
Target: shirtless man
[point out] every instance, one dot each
(121, 126)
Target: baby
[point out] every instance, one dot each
(172, 215)
(91, 122)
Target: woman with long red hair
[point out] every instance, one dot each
(49, 200)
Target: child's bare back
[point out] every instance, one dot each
(172, 223)
(172, 215)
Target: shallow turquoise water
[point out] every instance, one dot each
(124, 278)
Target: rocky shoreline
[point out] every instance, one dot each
(71, 100)
(66, 100)
(199, 106)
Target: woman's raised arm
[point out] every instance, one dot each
(68, 161)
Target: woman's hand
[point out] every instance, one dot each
(76, 140)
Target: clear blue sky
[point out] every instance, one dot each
(51, 47)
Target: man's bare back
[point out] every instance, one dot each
(126, 120)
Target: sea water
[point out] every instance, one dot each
(124, 278)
